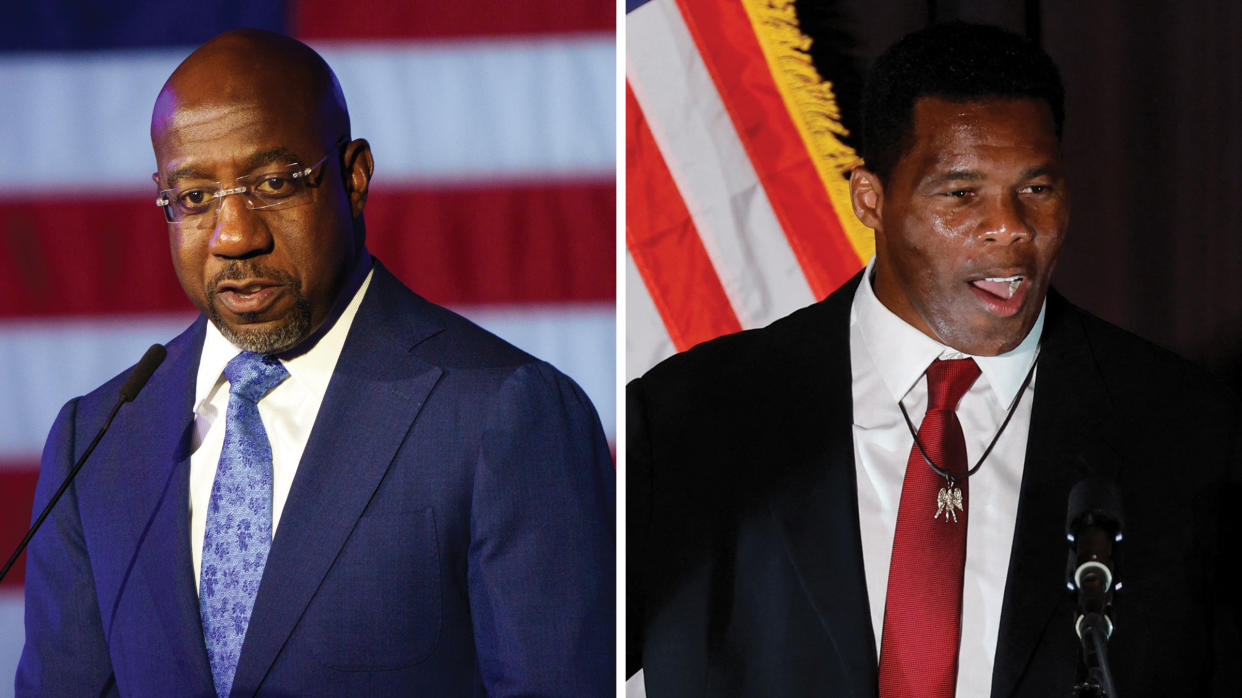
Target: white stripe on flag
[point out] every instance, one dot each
(487, 109)
(646, 338)
(634, 687)
(433, 111)
(45, 363)
(13, 637)
(709, 164)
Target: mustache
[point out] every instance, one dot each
(242, 269)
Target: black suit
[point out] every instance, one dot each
(745, 566)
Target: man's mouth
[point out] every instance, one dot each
(1002, 296)
(1002, 287)
(242, 297)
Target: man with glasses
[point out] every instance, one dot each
(330, 486)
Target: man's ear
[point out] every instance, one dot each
(866, 196)
(357, 174)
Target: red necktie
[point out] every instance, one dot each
(923, 608)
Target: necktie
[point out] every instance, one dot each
(923, 608)
(239, 516)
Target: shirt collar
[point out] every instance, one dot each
(312, 368)
(902, 353)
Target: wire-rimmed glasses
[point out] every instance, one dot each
(196, 204)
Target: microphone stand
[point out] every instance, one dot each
(1098, 680)
(59, 492)
(1093, 526)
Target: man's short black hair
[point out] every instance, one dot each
(955, 61)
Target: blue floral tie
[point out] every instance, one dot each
(239, 516)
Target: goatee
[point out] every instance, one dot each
(273, 339)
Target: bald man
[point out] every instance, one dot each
(331, 486)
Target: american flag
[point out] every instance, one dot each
(493, 129)
(737, 202)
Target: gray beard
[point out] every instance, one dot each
(269, 340)
(283, 336)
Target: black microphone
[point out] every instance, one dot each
(142, 372)
(129, 390)
(1093, 526)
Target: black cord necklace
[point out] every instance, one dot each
(949, 500)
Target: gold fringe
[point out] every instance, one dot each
(813, 107)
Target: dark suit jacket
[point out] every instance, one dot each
(745, 572)
(449, 531)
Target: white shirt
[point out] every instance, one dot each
(288, 413)
(888, 358)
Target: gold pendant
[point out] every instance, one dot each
(948, 502)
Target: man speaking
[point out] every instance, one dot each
(330, 486)
(869, 495)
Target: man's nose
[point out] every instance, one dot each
(1005, 220)
(240, 232)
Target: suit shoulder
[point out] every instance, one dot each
(442, 337)
(478, 361)
(751, 359)
(1140, 370)
(464, 344)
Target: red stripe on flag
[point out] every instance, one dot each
(17, 485)
(511, 243)
(665, 244)
(516, 243)
(85, 257)
(727, 42)
(401, 19)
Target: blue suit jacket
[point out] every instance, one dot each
(449, 531)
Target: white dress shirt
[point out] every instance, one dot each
(288, 413)
(888, 359)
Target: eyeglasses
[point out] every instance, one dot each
(279, 188)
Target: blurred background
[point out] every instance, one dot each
(493, 130)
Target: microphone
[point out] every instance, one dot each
(129, 390)
(1093, 526)
(142, 372)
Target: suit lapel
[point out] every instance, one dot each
(817, 510)
(1070, 438)
(374, 395)
(156, 483)
(820, 527)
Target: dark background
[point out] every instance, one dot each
(1153, 147)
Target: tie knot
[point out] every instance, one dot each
(948, 381)
(251, 375)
